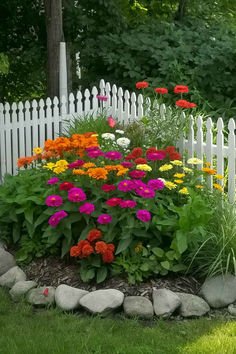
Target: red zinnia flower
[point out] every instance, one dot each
(163, 152)
(81, 244)
(140, 161)
(111, 247)
(142, 84)
(129, 157)
(161, 90)
(66, 186)
(170, 149)
(94, 234)
(182, 103)
(86, 251)
(175, 156)
(114, 201)
(180, 89)
(137, 152)
(74, 251)
(101, 247)
(108, 187)
(151, 150)
(108, 257)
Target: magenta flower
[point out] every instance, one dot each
(102, 98)
(153, 156)
(111, 122)
(55, 218)
(54, 200)
(76, 195)
(113, 155)
(95, 153)
(108, 187)
(104, 219)
(86, 208)
(53, 180)
(156, 184)
(75, 164)
(93, 148)
(145, 192)
(128, 204)
(143, 215)
(137, 183)
(137, 174)
(127, 164)
(114, 201)
(126, 185)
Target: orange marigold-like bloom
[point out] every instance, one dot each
(101, 247)
(108, 257)
(75, 251)
(79, 172)
(111, 167)
(98, 173)
(89, 165)
(94, 234)
(111, 247)
(209, 171)
(207, 163)
(122, 171)
(217, 186)
(86, 251)
(24, 161)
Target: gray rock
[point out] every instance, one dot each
(21, 288)
(38, 298)
(67, 298)
(3, 245)
(232, 309)
(219, 291)
(192, 305)
(102, 301)
(11, 277)
(165, 302)
(6, 261)
(138, 306)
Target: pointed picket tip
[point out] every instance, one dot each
(71, 97)
(108, 87)
(41, 103)
(199, 121)
(20, 105)
(48, 101)
(148, 101)
(140, 98)
(94, 91)
(1, 107)
(79, 95)
(63, 99)
(182, 115)
(220, 124)
(14, 106)
(102, 84)
(209, 123)
(127, 95)
(162, 108)
(120, 92)
(114, 89)
(27, 104)
(191, 121)
(7, 106)
(55, 100)
(231, 125)
(87, 93)
(133, 97)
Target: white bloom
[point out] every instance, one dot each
(162, 179)
(123, 142)
(108, 136)
(119, 131)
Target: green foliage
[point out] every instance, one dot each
(4, 64)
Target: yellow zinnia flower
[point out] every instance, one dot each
(219, 177)
(49, 165)
(217, 186)
(38, 151)
(59, 169)
(179, 175)
(165, 167)
(177, 162)
(183, 191)
(144, 167)
(199, 186)
(122, 171)
(194, 161)
(178, 181)
(62, 163)
(187, 170)
(170, 185)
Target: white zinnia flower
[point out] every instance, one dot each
(123, 142)
(108, 136)
(119, 131)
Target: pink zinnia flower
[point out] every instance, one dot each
(55, 218)
(76, 195)
(104, 219)
(127, 164)
(53, 180)
(86, 208)
(114, 201)
(126, 185)
(113, 155)
(128, 204)
(137, 174)
(145, 192)
(95, 153)
(143, 215)
(102, 98)
(93, 148)
(108, 187)
(153, 156)
(75, 164)
(54, 200)
(66, 186)
(111, 122)
(156, 184)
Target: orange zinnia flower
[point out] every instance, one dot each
(101, 247)
(24, 161)
(209, 171)
(98, 173)
(79, 172)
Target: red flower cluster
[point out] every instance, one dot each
(87, 247)
(173, 155)
(142, 84)
(185, 104)
(181, 89)
(161, 90)
(140, 160)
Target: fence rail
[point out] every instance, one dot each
(24, 126)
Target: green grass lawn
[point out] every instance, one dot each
(26, 331)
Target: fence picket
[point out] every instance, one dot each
(114, 100)
(41, 123)
(2, 142)
(133, 106)
(56, 117)
(220, 149)
(22, 151)
(209, 152)
(8, 139)
(15, 154)
(94, 101)
(49, 117)
(231, 161)
(120, 105)
(87, 102)
(140, 106)
(126, 116)
(199, 145)
(35, 136)
(190, 142)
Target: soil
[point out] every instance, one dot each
(55, 271)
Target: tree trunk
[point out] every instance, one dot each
(53, 11)
(180, 14)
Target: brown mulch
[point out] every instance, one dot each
(55, 271)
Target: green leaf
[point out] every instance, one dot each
(158, 252)
(40, 219)
(144, 267)
(101, 274)
(178, 268)
(123, 245)
(165, 265)
(16, 232)
(181, 241)
(87, 274)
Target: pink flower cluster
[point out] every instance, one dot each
(53, 180)
(76, 195)
(113, 155)
(75, 164)
(104, 219)
(54, 200)
(95, 153)
(55, 218)
(87, 208)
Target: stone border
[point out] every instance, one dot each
(217, 292)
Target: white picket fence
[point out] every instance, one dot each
(24, 126)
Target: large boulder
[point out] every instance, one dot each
(192, 305)
(219, 291)
(232, 309)
(42, 296)
(67, 298)
(11, 277)
(21, 288)
(165, 302)
(6, 261)
(138, 306)
(102, 301)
